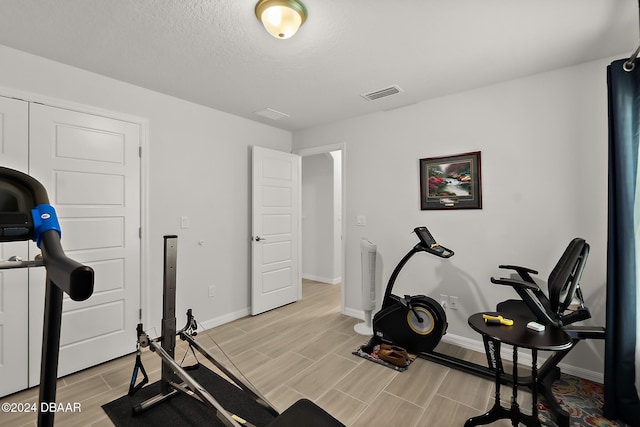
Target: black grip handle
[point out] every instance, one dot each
(523, 272)
(75, 279)
(515, 283)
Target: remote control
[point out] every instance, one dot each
(535, 326)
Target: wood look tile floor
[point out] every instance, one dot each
(300, 350)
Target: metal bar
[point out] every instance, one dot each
(187, 391)
(153, 401)
(388, 299)
(5, 265)
(169, 309)
(200, 391)
(464, 365)
(50, 353)
(248, 388)
(629, 65)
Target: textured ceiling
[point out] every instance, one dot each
(216, 53)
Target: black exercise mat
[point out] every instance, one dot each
(182, 410)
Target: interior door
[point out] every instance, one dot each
(275, 279)
(90, 166)
(14, 290)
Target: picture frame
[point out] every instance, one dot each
(451, 182)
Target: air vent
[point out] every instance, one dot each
(272, 114)
(388, 91)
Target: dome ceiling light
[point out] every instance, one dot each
(281, 18)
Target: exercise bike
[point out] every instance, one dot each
(418, 322)
(415, 322)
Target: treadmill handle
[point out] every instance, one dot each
(75, 279)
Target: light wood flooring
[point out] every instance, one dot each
(300, 350)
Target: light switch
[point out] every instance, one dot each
(361, 220)
(184, 222)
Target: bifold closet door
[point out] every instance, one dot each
(90, 166)
(14, 290)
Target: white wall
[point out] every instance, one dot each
(198, 166)
(337, 215)
(317, 218)
(544, 177)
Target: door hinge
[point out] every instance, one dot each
(140, 233)
(139, 314)
(140, 152)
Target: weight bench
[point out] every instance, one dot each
(563, 307)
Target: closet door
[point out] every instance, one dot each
(14, 290)
(90, 166)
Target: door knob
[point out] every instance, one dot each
(258, 238)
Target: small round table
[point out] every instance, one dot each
(516, 335)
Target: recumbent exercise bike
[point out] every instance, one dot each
(418, 322)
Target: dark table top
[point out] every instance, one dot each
(552, 338)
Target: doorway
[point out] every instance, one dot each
(322, 200)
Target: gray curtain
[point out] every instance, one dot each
(621, 394)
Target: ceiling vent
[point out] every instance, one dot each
(388, 91)
(272, 114)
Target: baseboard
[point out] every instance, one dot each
(322, 279)
(358, 314)
(217, 321)
(524, 357)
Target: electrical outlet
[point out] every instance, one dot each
(212, 291)
(444, 301)
(453, 302)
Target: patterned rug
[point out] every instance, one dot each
(583, 399)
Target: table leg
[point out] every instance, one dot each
(519, 417)
(515, 408)
(497, 411)
(534, 380)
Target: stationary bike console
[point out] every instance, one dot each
(429, 244)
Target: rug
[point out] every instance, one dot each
(582, 399)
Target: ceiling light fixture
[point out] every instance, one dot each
(281, 18)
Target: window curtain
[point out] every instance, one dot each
(620, 374)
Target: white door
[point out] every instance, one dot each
(14, 290)
(90, 167)
(275, 254)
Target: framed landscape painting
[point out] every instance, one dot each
(451, 182)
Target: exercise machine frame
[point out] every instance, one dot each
(547, 373)
(36, 220)
(172, 372)
(164, 346)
